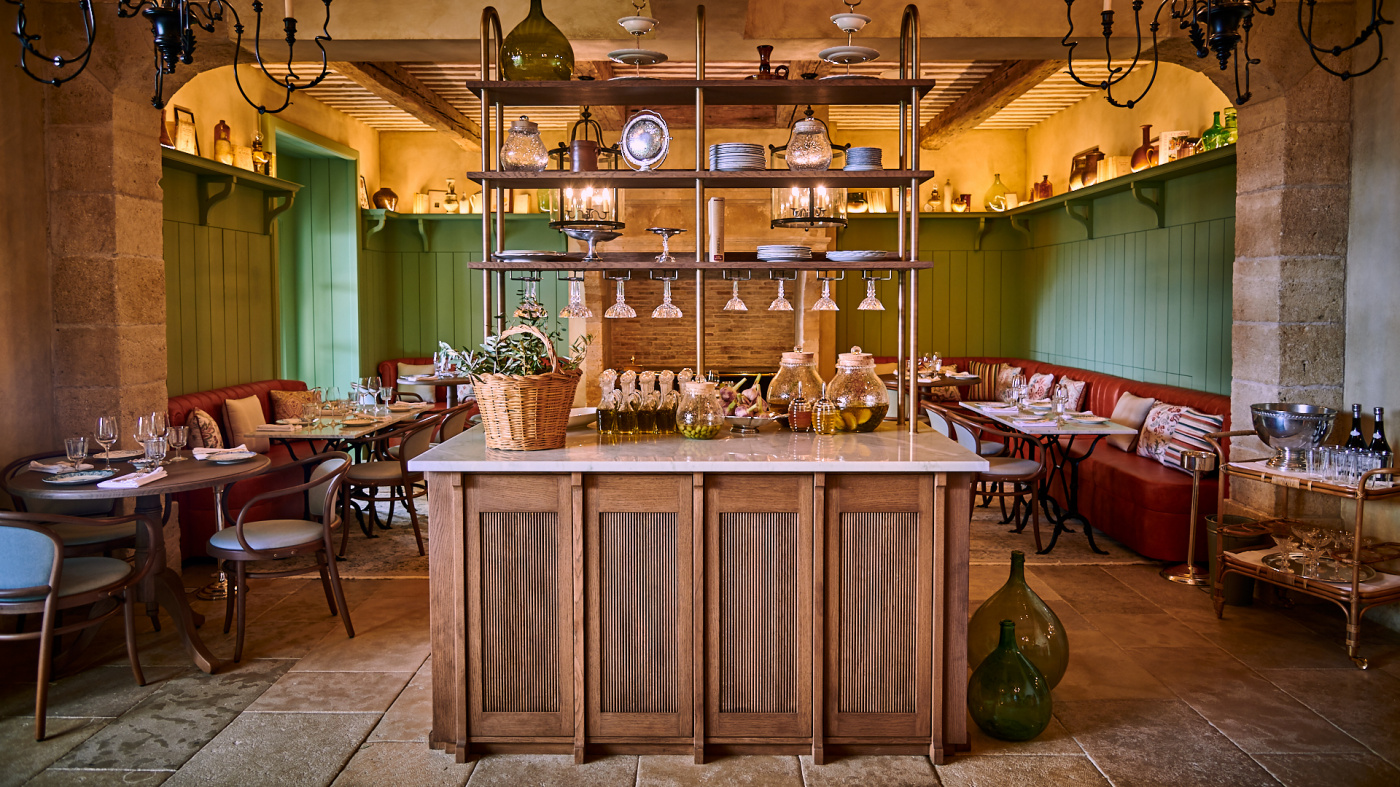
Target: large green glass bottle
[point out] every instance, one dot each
(536, 49)
(1214, 136)
(1007, 697)
(1042, 636)
(1232, 126)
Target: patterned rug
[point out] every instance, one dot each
(393, 554)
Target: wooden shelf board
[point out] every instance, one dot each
(634, 260)
(718, 92)
(684, 178)
(178, 159)
(476, 217)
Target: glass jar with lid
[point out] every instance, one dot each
(522, 150)
(700, 415)
(795, 369)
(809, 147)
(858, 393)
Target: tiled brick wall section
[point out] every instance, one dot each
(751, 340)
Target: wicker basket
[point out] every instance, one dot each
(527, 412)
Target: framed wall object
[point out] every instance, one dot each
(364, 193)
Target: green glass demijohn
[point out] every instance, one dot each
(537, 50)
(1007, 697)
(1214, 136)
(1040, 634)
(1232, 126)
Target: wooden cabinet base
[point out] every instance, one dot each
(821, 614)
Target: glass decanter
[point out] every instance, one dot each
(995, 198)
(1007, 697)
(667, 403)
(1039, 634)
(647, 401)
(628, 404)
(809, 147)
(607, 402)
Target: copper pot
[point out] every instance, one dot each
(386, 199)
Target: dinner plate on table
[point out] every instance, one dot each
(357, 422)
(79, 477)
(232, 457)
(293, 421)
(1090, 419)
(125, 453)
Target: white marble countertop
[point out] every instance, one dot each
(889, 449)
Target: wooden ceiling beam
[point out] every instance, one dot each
(393, 83)
(1011, 80)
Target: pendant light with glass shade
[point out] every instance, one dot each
(781, 303)
(735, 303)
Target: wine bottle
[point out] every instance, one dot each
(1355, 440)
(1379, 445)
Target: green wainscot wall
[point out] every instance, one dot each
(1136, 283)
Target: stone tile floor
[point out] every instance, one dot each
(1158, 692)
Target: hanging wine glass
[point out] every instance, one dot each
(780, 303)
(871, 302)
(735, 303)
(825, 303)
(667, 310)
(620, 310)
(576, 308)
(530, 308)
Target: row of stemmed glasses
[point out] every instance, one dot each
(154, 432)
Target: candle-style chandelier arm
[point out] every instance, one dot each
(1378, 20)
(27, 45)
(290, 83)
(1116, 74)
(172, 29)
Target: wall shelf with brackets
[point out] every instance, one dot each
(215, 183)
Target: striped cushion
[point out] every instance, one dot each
(1190, 435)
(986, 389)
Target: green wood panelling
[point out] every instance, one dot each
(420, 298)
(1135, 301)
(319, 266)
(219, 290)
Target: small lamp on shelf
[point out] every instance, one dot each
(809, 207)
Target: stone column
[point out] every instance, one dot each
(1289, 336)
(105, 243)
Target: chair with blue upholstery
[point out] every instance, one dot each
(279, 539)
(78, 538)
(35, 577)
(1022, 471)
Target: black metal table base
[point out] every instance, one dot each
(1065, 466)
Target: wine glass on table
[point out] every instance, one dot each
(76, 448)
(177, 437)
(106, 436)
(145, 432)
(373, 386)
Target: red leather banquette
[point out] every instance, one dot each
(197, 519)
(1136, 500)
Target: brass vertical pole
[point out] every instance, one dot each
(899, 372)
(490, 24)
(700, 217)
(909, 44)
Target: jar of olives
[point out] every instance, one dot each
(700, 415)
(797, 369)
(858, 393)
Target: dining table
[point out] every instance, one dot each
(334, 433)
(450, 381)
(928, 382)
(162, 587)
(1056, 440)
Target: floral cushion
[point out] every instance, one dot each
(1157, 430)
(288, 404)
(1074, 389)
(942, 393)
(1190, 435)
(204, 430)
(986, 389)
(1004, 378)
(1041, 385)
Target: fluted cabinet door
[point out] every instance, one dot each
(758, 534)
(638, 537)
(520, 580)
(879, 602)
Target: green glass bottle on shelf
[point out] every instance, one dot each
(1232, 126)
(1007, 697)
(1042, 636)
(1214, 136)
(995, 198)
(537, 50)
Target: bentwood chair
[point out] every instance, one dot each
(390, 471)
(1016, 477)
(279, 539)
(35, 577)
(956, 428)
(79, 537)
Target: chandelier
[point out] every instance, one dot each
(1219, 27)
(174, 24)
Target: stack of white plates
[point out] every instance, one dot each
(781, 252)
(737, 156)
(859, 256)
(864, 159)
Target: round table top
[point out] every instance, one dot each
(181, 477)
(938, 382)
(435, 381)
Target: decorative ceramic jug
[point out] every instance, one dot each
(1145, 156)
(1042, 636)
(1007, 697)
(537, 49)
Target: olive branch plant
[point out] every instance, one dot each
(520, 354)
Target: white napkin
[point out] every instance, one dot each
(961, 374)
(134, 480)
(278, 427)
(59, 466)
(1032, 424)
(205, 453)
(1000, 410)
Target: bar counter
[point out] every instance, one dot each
(777, 593)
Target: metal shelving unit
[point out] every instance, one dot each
(496, 94)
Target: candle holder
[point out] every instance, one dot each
(808, 208)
